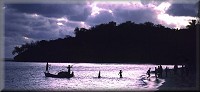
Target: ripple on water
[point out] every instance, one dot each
(30, 76)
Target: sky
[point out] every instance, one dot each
(27, 22)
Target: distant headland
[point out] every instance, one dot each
(126, 42)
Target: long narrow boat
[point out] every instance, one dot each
(62, 74)
(59, 75)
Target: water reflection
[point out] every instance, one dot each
(30, 76)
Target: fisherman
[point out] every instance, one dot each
(47, 67)
(175, 68)
(148, 72)
(72, 73)
(156, 70)
(69, 69)
(161, 70)
(120, 73)
(99, 76)
(166, 71)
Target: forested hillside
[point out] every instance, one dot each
(124, 43)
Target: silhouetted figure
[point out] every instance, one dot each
(161, 70)
(175, 69)
(166, 71)
(99, 76)
(120, 73)
(73, 74)
(69, 70)
(47, 67)
(182, 70)
(148, 72)
(182, 65)
(156, 71)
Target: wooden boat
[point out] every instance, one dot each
(62, 74)
(59, 75)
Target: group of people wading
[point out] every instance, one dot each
(184, 70)
(158, 72)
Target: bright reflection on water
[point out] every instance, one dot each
(30, 76)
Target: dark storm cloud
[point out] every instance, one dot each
(10, 43)
(19, 24)
(23, 28)
(183, 10)
(32, 22)
(75, 12)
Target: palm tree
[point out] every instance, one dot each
(192, 25)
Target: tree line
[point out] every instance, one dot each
(127, 42)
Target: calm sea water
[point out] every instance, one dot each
(30, 76)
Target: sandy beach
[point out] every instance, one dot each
(179, 81)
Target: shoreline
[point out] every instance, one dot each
(179, 82)
(176, 82)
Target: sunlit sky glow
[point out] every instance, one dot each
(34, 22)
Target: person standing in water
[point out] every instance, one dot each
(47, 67)
(161, 70)
(166, 71)
(72, 73)
(69, 69)
(175, 69)
(156, 70)
(148, 72)
(99, 76)
(120, 73)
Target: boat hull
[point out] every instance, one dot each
(59, 75)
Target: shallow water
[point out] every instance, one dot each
(30, 76)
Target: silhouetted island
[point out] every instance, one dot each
(127, 42)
